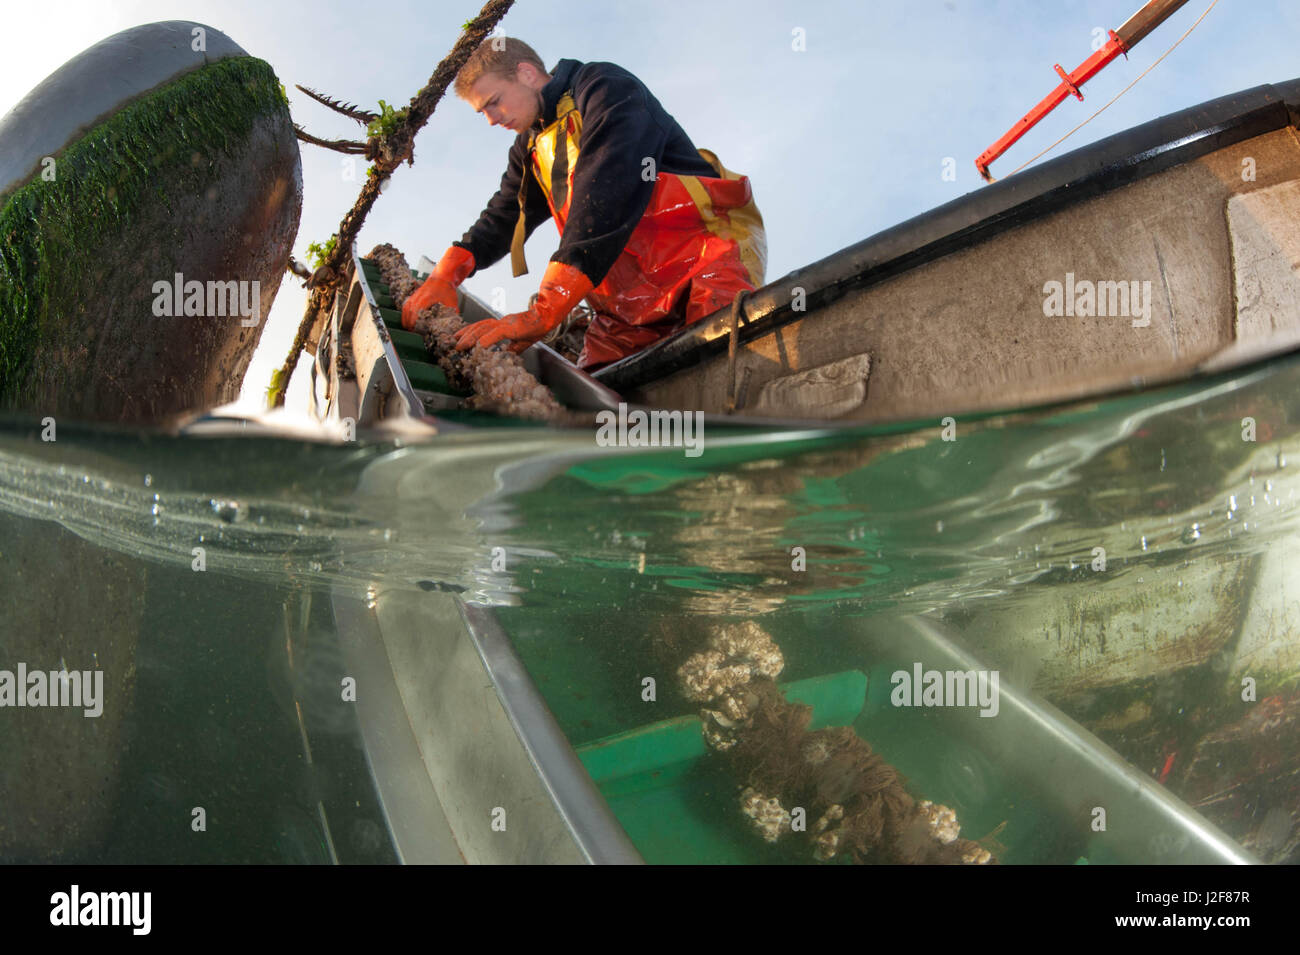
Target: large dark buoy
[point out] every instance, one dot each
(150, 192)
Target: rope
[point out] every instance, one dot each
(733, 324)
(1213, 4)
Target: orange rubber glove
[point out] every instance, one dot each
(452, 269)
(563, 287)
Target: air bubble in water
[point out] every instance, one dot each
(232, 512)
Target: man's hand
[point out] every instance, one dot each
(562, 288)
(453, 268)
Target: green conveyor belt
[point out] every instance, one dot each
(679, 803)
(676, 803)
(428, 377)
(409, 346)
(648, 751)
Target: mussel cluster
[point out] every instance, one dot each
(827, 784)
(496, 378)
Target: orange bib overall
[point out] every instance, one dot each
(699, 242)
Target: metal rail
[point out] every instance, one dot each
(380, 375)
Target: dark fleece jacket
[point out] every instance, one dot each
(622, 125)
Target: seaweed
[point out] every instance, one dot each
(51, 229)
(318, 253)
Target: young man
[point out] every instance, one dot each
(654, 233)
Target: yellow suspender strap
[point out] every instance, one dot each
(553, 140)
(517, 264)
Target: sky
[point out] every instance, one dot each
(842, 114)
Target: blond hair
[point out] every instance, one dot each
(499, 55)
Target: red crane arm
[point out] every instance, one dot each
(1134, 29)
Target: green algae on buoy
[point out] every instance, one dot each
(164, 154)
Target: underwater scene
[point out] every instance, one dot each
(1063, 635)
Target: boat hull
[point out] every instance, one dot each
(1152, 256)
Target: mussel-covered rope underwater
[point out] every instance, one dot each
(856, 807)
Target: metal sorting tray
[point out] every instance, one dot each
(381, 395)
(388, 362)
(381, 388)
